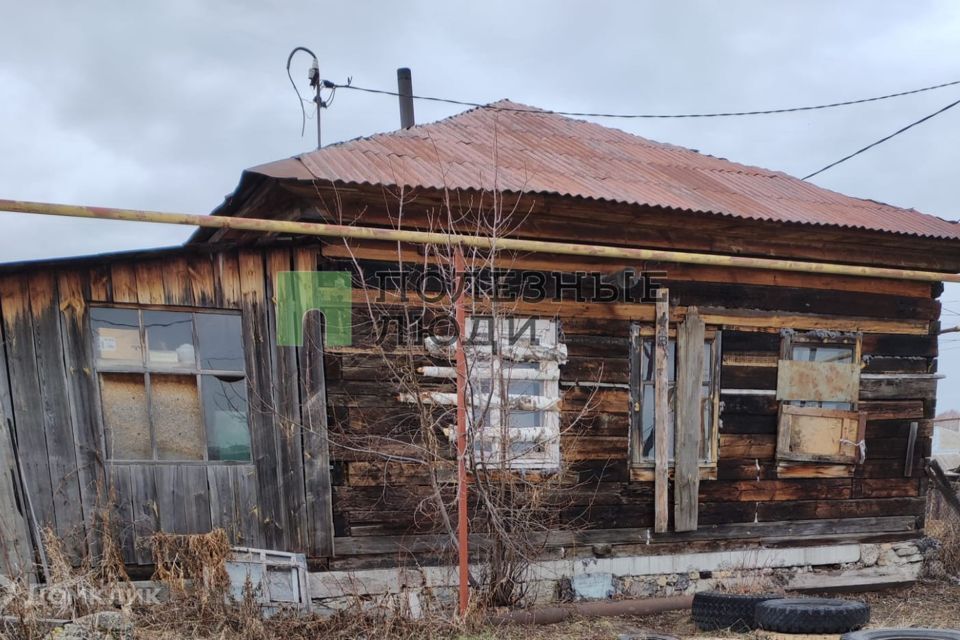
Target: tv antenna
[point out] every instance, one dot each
(317, 84)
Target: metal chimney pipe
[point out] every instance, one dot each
(405, 89)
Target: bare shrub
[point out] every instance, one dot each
(513, 509)
(194, 563)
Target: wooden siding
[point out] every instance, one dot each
(52, 401)
(306, 492)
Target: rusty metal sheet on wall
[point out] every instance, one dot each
(822, 381)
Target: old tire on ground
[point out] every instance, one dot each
(903, 634)
(713, 610)
(812, 615)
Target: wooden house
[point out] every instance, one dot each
(152, 383)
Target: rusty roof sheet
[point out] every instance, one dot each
(533, 151)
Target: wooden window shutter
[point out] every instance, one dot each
(689, 416)
(812, 434)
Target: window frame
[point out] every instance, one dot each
(791, 339)
(197, 371)
(487, 361)
(792, 413)
(642, 467)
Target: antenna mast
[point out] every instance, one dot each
(314, 77)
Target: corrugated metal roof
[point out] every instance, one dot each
(526, 149)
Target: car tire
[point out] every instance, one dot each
(713, 610)
(812, 615)
(903, 634)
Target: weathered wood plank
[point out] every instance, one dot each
(82, 393)
(16, 551)
(226, 274)
(183, 499)
(661, 411)
(100, 284)
(260, 391)
(123, 281)
(31, 439)
(150, 282)
(689, 417)
(177, 284)
(119, 492)
(203, 290)
(316, 454)
(223, 500)
(287, 410)
(244, 481)
(56, 413)
(636, 417)
(911, 444)
(144, 508)
(827, 529)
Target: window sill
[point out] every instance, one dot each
(645, 473)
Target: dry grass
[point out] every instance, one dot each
(947, 532)
(199, 558)
(192, 568)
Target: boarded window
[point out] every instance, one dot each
(817, 371)
(125, 418)
(172, 384)
(643, 383)
(813, 434)
(175, 415)
(818, 384)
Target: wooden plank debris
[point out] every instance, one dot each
(689, 417)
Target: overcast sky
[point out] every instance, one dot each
(161, 107)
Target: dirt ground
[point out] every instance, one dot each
(935, 605)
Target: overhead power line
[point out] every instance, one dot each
(586, 114)
(884, 139)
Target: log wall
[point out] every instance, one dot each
(303, 493)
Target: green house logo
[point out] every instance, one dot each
(299, 292)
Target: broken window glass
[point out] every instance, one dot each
(187, 399)
(225, 408)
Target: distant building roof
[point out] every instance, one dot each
(516, 148)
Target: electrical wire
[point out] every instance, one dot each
(586, 114)
(884, 139)
(303, 111)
